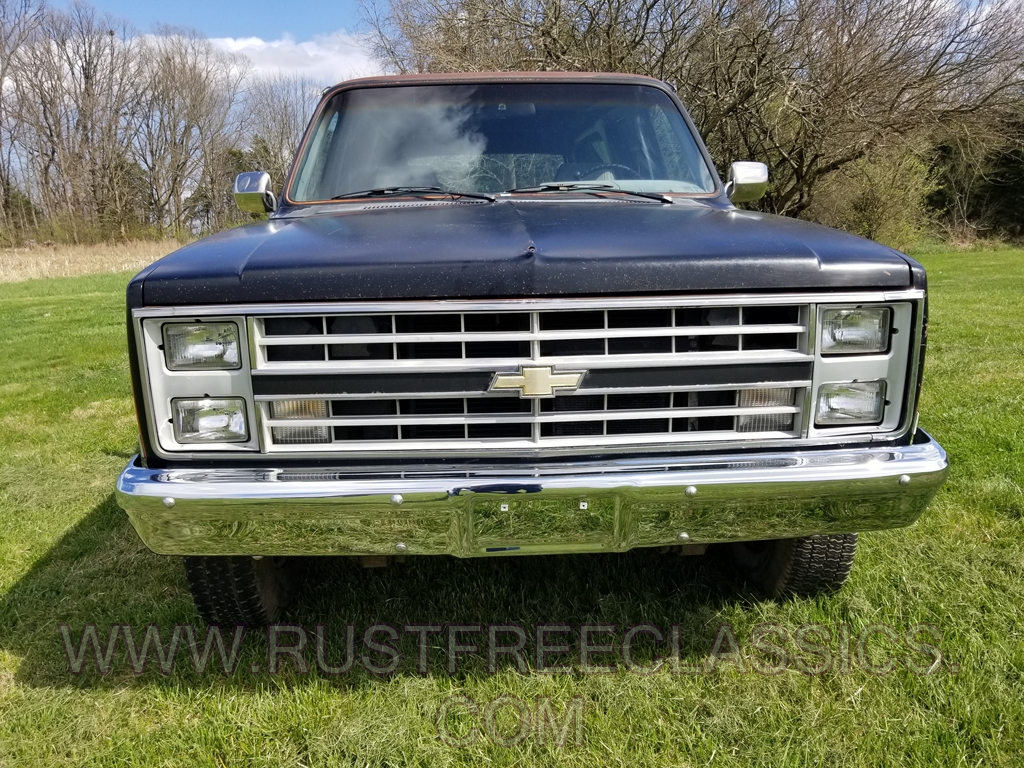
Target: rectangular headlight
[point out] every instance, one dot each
(859, 331)
(209, 420)
(201, 346)
(858, 402)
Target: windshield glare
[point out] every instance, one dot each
(497, 137)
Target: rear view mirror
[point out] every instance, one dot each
(746, 182)
(252, 192)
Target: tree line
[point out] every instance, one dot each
(106, 133)
(884, 117)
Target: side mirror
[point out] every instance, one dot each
(252, 192)
(746, 182)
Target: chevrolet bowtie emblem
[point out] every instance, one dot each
(537, 382)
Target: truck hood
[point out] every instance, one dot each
(526, 247)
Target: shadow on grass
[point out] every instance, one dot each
(101, 574)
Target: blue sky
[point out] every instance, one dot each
(314, 39)
(265, 19)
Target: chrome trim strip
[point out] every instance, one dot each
(613, 505)
(147, 386)
(261, 430)
(812, 347)
(511, 364)
(909, 422)
(532, 450)
(254, 358)
(443, 394)
(539, 304)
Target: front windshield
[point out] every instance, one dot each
(496, 137)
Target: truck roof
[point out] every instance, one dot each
(512, 77)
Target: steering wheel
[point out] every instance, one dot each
(598, 169)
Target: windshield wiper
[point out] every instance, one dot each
(387, 191)
(572, 186)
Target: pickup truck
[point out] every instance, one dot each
(512, 314)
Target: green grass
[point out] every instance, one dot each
(68, 556)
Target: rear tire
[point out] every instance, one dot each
(804, 567)
(233, 590)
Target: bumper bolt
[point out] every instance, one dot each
(691, 490)
(401, 547)
(169, 502)
(397, 499)
(904, 479)
(684, 536)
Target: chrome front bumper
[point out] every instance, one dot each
(608, 506)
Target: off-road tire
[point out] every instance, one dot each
(803, 567)
(233, 590)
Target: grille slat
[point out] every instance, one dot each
(492, 364)
(407, 345)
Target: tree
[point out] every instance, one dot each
(75, 88)
(18, 21)
(277, 108)
(980, 179)
(188, 117)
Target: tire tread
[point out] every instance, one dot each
(801, 567)
(227, 591)
(815, 565)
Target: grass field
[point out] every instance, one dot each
(68, 556)
(17, 264)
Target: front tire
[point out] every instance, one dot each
(233, 590)
(803, 567)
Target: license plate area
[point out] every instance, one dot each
(506, 524)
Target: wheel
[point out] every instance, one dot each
(802, 567)
(233, 590)
(633, 175)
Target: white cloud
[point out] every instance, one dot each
(327, 59)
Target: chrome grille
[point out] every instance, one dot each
(659, 372)
(613, 419)
(436, 340)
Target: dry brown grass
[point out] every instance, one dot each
(18, 264)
